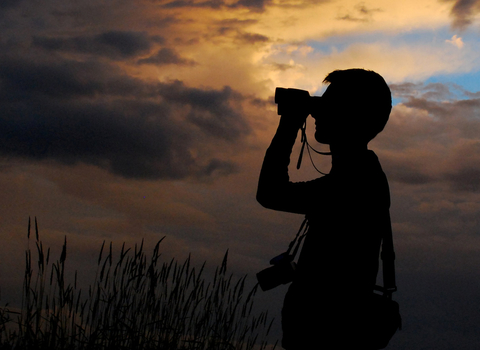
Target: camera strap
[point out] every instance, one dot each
(388, 261)
(305, 142)
(302, 232)
(295, 245)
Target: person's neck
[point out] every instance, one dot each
(347, 152)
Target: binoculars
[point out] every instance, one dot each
(296, 101)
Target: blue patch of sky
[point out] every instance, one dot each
(469, 81)
(341, 42)
(414, 38)
(396, 101)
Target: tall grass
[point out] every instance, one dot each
(134, 302)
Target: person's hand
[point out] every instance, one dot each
(294, 119)
(293, 106)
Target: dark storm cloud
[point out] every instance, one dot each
(282, 66)
(166, 56)
(433, 136)
(71, 112)
(234, 28)
(252, 38)
(211, 109)
(463, 167)
(113, 44)
(463, 12)
(253, 5)
(5, 4)
(359, 13)
(214, 4)
(116, 45)
(236, 22)
(68, 79)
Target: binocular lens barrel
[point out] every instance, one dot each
(295, 100)
(280, 94)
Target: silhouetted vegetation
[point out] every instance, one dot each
(135, 302)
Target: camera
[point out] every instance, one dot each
(296, 101)
(282, 272)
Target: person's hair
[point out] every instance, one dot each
(366, 99)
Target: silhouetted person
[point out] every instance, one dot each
(327, 304)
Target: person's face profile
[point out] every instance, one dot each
(325, 116)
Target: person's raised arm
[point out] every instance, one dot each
(275, 191)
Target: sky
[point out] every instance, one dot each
(129, 120)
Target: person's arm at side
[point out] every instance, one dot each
(275, 191)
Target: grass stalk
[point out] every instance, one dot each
(136, 301)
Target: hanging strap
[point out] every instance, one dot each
(303, 228)
(388, 261)
(302, 232)
(304, 142)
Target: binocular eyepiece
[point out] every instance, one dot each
(296, 101)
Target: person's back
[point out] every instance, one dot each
(347, 211)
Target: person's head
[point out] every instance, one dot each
(355, 107)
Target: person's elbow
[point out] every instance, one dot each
(262, 199)
(265, 198)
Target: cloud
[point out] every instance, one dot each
(412, 62)
(116, 45)
(90, 112)
(252, 38)
(463, 12)
(433, 137)
(431, 91)
(166, 56)
(463, 171)
(210, 109)
(253, 5)
(213, 4)
(5, 4)
(360, 13)
(235, 30)
(456, 41)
